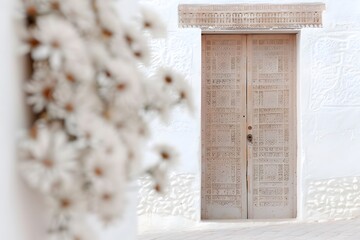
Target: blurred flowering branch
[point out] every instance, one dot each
(92, 105)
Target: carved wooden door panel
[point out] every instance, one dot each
(248, 127)
(271, 118)
(223, 127)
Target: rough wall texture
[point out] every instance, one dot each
(328, 109)
(181, 198)
(331, 128)
(333, 198)
(335, 69)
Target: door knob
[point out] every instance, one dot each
(249, 137)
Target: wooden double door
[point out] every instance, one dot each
(248, 127)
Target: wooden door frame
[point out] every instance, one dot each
(297, 171)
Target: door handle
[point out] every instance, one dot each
(249, 137)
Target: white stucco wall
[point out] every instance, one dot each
(328, 119)
(18, 221)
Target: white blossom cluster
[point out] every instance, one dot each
(91, 106)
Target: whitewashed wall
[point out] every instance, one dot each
(328, 119)
(18, 221)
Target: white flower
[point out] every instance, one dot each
(122, 85)
(152, 22)
(110, 150)
(134, 150)
(58, 39)
(141, 52)
(101, 166)
(48, 159)
(107, 169)
(137, 43)
(119, 117)
(73, 100)
(112, 32)
(68, 201)
(167, 154)
(79, 12)
(184, 93)
(127, 121)
(41, 90)
(82, 231)
(120, 49)
(58, 227)
(176, 84)
(109, 202)
(168, 76)
(108, 17)
(134, 157)
(64, 101)
(32, 8)
(86, 127)
(27, 40)
(135, 126)
(159, 175)
(158, 100)
(63, 228)
(98, 53)
(81, 72)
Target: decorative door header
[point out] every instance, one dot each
(250, 16)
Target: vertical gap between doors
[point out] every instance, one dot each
(246, 131)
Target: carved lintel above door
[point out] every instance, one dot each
(218, 17)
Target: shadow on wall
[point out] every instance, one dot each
(336, 198)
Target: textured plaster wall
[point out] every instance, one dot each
(328, 118)
(335, 198)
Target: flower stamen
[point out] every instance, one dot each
(168, 79)
(33, 42)
(47, 93)
(157, 188)
(31, 11)
(48, 163)
(129, 39)
(65, 203)
(138, 54)
(121, 87)
(70, 77)
(147, 25)
(107, 33)
(165, 155)
(98, 171)
(106, 196)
